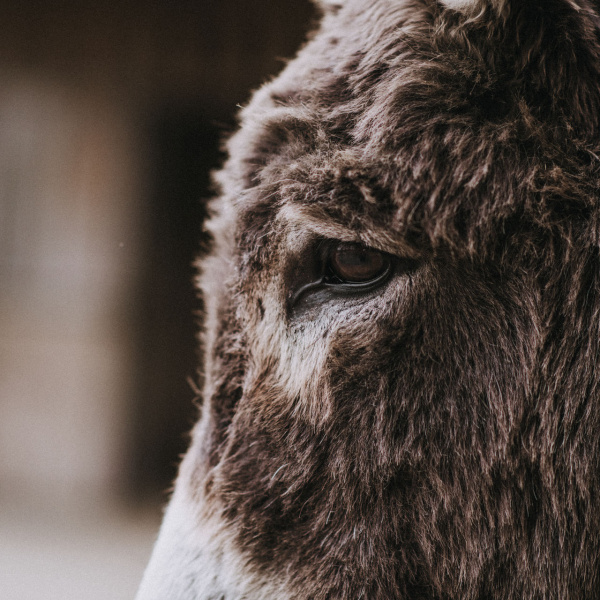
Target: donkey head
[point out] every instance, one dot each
(403, 318)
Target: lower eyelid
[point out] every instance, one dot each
(303, 290)
(341, 289)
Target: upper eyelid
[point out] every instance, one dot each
(319, 225)
(325, 245)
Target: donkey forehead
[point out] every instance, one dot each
(340, 194)
(410, 176)
(451, 186)
(422, 122)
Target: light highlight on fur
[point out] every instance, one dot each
(461, 5)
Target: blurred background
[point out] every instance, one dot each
(111, 115)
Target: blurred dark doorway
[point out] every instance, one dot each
(184, 139)
(184, 150)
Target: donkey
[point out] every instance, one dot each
(401, 397)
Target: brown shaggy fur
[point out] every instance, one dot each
(437, 438)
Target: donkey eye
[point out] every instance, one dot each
(342, 268)
(354, 264)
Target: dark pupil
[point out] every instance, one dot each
(355, 263)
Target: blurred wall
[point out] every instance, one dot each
(110, 119)
(67, 204)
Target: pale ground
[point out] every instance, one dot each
(65, 555)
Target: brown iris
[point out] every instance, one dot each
(355, 264)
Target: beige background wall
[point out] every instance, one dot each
(69, 200)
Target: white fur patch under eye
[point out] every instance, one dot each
(298, 356)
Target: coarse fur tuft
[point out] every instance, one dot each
(437, 438)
